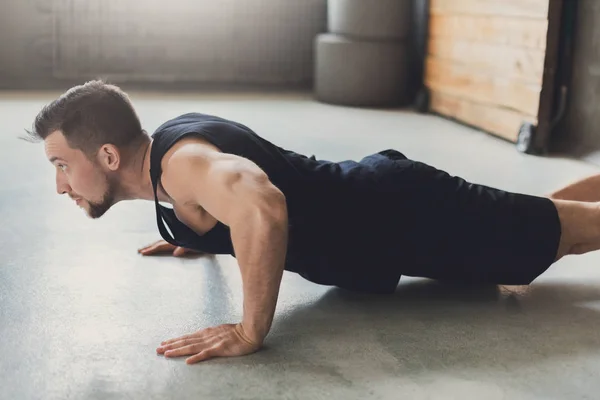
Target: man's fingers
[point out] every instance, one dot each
(162, 246)
(158, 247)
(220, 341)
(181, 343)
(179, 251)
(185, 350)
(151, 245)
(179, 339)
(203, 355)
(163, 348)
(194, 335)
(182, 251)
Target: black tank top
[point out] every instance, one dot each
(330, 239)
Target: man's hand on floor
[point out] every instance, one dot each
(227, 340)
(164, 247)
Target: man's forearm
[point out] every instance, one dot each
(260, 242)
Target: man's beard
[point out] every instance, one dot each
(98, 209)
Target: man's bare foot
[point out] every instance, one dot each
(163, 247)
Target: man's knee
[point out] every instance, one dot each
(558, 195)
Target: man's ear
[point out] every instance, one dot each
(109, 157)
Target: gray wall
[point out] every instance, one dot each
(226, 41)
(190, 43)
(25, 42)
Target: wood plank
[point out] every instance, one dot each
(511, 8)
(526, 65)
(496, 120)
(552, 63)
(515, 32)
(468, 83)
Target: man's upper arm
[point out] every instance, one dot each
(225, 185)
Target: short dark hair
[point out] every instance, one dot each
(89, 116)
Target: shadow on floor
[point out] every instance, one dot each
(432, 325)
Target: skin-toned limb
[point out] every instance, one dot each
(239, 194)
(587, 189)
(164, 247)
(580, 227)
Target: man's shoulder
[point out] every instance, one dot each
(190, 149)
(185, 120)
(189, 157)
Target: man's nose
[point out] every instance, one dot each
(62, 186)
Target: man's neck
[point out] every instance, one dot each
(135, 181)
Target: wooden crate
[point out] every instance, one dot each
(491, 64)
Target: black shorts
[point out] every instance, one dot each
(403, 217)
(474, 233)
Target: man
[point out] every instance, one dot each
(356, 225)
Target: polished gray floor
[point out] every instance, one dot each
(81, 313)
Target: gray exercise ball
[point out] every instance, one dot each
(360, 73)
(370, 19)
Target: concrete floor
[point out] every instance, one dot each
(81, 314)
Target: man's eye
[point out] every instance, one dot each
(61, 166)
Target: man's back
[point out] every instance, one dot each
(332, 206)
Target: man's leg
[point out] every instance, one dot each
(457, 230)
(580, 225)
(587, 189)
(584, 190)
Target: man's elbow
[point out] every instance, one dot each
(273, 205)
